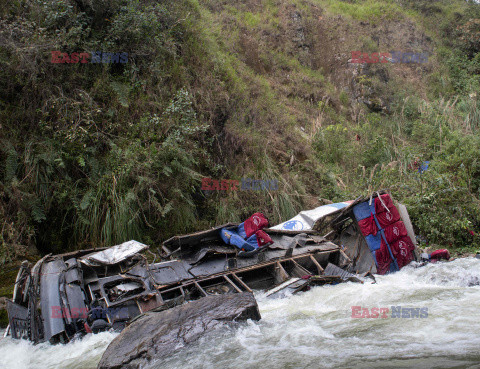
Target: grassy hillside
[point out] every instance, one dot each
(96, 154)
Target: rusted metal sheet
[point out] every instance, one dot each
(71, 289)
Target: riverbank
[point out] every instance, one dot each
(9, 273)
(316, 329)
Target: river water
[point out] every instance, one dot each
(315, 329)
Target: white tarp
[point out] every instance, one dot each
(114, 254)
(306, 219)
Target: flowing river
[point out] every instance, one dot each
(315, 329)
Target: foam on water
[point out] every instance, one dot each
(315, 329)
(84, 353)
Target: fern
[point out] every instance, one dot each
(38, 211)
(122, 90)
(11, 161)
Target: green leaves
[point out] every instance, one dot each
(11, 162)
(86, 200)
(167, 208)
(38, 212)
(122, 90)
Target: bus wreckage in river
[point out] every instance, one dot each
(65, 296)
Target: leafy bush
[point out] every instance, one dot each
(377, 151)
(97, 154)
(444, 212)
(331, 143)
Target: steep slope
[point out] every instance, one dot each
(97, 153)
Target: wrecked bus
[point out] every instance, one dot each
(66, 296)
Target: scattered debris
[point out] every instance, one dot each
(69, 295)
(61, 296)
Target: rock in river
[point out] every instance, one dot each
(158, 334)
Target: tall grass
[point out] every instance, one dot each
(370, 10)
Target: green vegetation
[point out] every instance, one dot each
(96, 154)
(371, 10)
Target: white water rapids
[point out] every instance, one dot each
(315, 329)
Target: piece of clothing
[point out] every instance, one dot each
(241, 231)
(230, 237)
(248, 236)
(259, 239)
(368, 226)
(395, 231)
(440, 254)
(253, 224)
(423, 167)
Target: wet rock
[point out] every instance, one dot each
(375, 104)
(159, 334)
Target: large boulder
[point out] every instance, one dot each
(158, 334)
